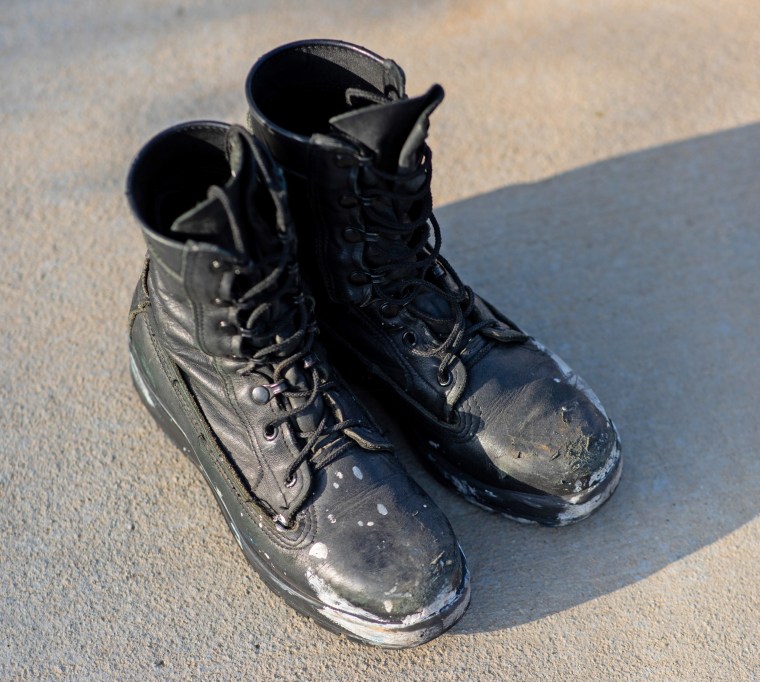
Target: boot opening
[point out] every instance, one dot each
(173, 174)
(300, 88)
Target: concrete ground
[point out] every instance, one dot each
(597, 174)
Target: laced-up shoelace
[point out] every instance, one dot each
(410, 260)
(279, 333)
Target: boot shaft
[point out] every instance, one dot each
(351, 142)
(223, 352)
(228, 307)
(295, 90)
(213, 226)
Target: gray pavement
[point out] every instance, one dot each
(597, 176)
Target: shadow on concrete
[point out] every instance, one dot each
(642, 272)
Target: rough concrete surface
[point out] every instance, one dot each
(597, 176)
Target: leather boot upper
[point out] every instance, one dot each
(222, 321)
(483, 395)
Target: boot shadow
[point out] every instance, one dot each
(641, 272)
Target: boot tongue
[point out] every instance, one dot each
(232, 225)
(394, 131)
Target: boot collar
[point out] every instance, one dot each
(300, 67)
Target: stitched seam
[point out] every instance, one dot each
(144, 276)
(195, 415)
(469, 418)
(142, 307)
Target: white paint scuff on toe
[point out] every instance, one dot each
(319, 550)
(579, 511)
(373, 628)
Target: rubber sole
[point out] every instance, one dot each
(354, 624)
(529, 508)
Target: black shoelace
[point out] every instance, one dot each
(278, 330)
(398, 211)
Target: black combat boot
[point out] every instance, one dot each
(224, 355)
(490, 410)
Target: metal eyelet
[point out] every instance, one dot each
(261, 395)
(437, 271)
(291, 481)
(215, 264)
(446, 379)
(281, 525)
(388, 309)
(409, 338)
(271, 432)
(265, 392)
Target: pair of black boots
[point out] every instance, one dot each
(321, 219)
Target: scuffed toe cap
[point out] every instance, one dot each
(386, 552)
(379, 560)
(553, 439)
(536, 427)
